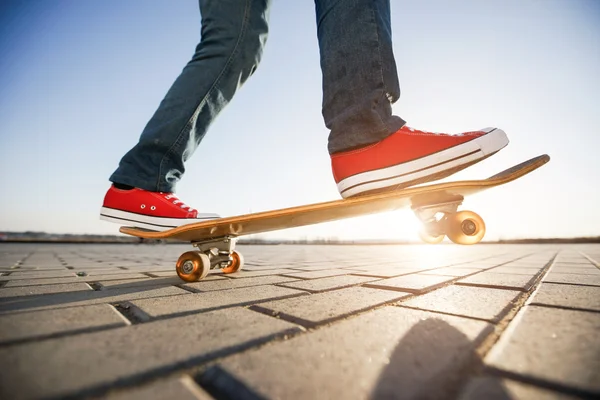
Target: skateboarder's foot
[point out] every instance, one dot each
(409, 157)
(140, 208)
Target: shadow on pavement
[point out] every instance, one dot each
(433, 360)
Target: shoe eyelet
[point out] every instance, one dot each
(153, 208)
(143, 206)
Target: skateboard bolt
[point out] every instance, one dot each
(188, 267)
(468, 227)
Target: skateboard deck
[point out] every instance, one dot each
(215, 238)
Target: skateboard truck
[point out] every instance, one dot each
(211, 254)
(462, 227)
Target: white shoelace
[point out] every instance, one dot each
(175, 200)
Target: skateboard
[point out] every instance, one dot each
(435, 205)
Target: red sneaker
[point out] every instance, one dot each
(409, 157)
(140, 208)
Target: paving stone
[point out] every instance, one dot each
(362, 268)
(576, 279)
(477, 302)
(152, 268)
(123, 272)
(41, 275)
(388, 272)
(51, 281)
(451, 271)
(94, 268)
(503, 281)
(561, 346)
(252, 274)
(183, 388)
(514, 270)
(223, 284)
(591, 270)
(73, 299)
(325, 307)
(200, 302)
(43, 289)
(375, 355)
(324, 284)
(571, 296)
(131, 283)
(494, 388)
(171, 272)
(252, 268)
(316, 274)
(26, 326)
(415, 283)
(571, 261)
(316, 267)
(39, 369)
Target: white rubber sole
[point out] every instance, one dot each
(419, 169)
(125, 218)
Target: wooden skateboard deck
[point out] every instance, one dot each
(215, 238)
(338, 209)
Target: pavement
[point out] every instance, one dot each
(301, 322)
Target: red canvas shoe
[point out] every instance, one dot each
(409, 157)
(140, 208)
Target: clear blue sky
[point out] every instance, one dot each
(79, 79)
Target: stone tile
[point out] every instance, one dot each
(330, 283)
(140, 283)
(502, 281)
(26, 326)
(388, 272)
(171, 273)
(514, 270)
(75, 279)
(494, 388)
(477, 302)
(316, 274)
(570, 296)
(224, 284)
(573, 262)
(104, 270)
(591, 270)
(415, 283)
(451, 271)
(320, 267)
(43, 289)
(575, 279)
(369, 356)
(254, 268)
(183, 388)
(556, 345)
(325, 307)
(266, 272)
(74, 299)
(133, 351)
(201, 302)
(41, 275)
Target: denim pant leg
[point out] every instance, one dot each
(360, 80)
(233, 35)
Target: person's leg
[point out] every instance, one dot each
(234, 33)
(371, 149)
(360, 81)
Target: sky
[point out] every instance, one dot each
(79, 80)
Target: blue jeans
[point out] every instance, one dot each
(359, 83)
